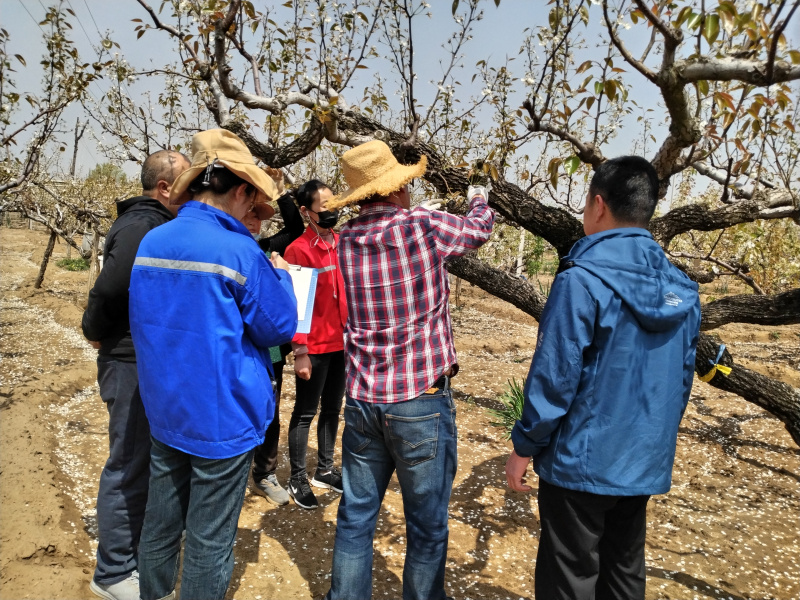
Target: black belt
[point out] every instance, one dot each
(441, 384)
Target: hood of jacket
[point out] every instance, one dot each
(634, 266)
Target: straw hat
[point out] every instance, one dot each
(371, 169)
(221, 147)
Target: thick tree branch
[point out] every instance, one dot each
(728, 68)
(776, 397)
(780, 309)
(701, 218)
(299, 148)
(500, 284)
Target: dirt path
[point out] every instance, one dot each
(728, 528)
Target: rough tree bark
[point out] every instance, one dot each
(780, 309)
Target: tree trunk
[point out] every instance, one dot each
(520, 251)
(93, 264)
(776, 397)
(45, 259)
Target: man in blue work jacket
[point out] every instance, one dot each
(205, 307)
(609, 381)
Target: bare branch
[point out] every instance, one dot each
(776, 36)
(671, 35)
(734, 270)
(586, 151)
(639, 66)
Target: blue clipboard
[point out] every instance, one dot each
(304, 281)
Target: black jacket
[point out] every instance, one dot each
(106, 316)
(293, 227)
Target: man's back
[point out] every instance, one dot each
(615, 360)
(398, 328)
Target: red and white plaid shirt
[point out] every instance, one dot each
(398, 338)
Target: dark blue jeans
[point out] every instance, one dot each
(203, 496)
(418, 439)
(123, 482)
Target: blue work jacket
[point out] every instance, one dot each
(613, 368)
(205, 306)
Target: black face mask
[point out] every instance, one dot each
(327, 218)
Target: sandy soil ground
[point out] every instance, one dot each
(727, 530)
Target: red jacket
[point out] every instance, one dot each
(330, 308)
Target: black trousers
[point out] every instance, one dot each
(265, 457)
(325, 390)
(591, 546)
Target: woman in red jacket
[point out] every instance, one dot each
(318, 355)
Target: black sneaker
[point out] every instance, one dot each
(329, 479)
(301, 492)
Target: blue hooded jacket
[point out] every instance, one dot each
(613, 368)
(205, 306)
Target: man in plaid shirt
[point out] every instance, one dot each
(399, 412)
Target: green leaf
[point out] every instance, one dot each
(794, 55)
(693, 22)
(610, 89)
(571, 164)
(711, 28)
(21, 59)
(598, 88)
(455, 6)
(685, 13)
(702, 87)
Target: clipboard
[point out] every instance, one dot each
(304, 282)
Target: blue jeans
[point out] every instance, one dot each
(123, 483)
(418, 439)
(203, 496)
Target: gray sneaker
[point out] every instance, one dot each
(271, 490)
(127, 589)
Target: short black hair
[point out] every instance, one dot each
(220, 181)
(160, 165)
(629, 186)
(305, 193)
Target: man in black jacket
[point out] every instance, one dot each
(124, 481)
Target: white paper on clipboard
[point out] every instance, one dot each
(304, 282)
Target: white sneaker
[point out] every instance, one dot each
(127, 589)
